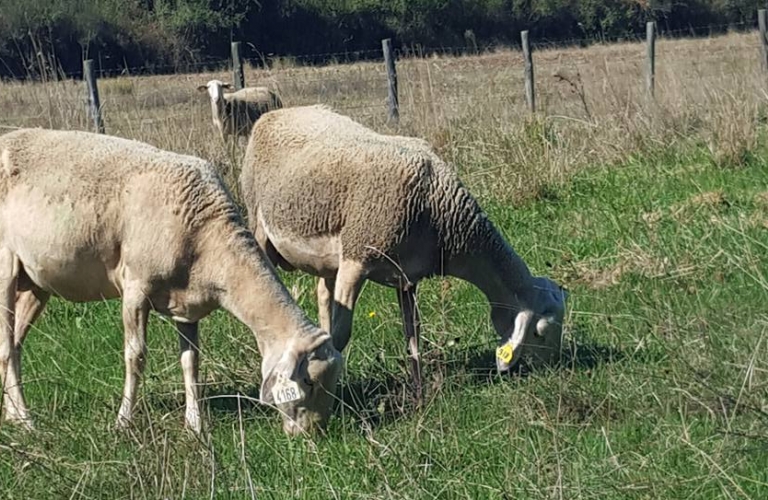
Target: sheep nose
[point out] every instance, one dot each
(292, 428)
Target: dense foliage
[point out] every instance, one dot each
(40, 36)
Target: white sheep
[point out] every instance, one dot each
(235, 113)
(90, 217)
(330, 197)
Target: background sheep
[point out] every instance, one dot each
(235, 113)
(328, 196)
(160, 231)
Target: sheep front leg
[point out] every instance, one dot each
(325, 291)
(135, 315)
(190, 364)
(406, 297)
(349, 281)
(10, 355)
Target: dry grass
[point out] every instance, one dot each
(593, 107)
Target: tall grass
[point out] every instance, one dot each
(594, 108)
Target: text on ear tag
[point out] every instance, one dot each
(286, 391)
(505, 352)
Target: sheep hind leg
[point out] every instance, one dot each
(349, 280)
(29, 305)
(10, 354)
(190, 366)
(406, 296)
(325, 291)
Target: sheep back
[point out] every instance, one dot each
(246, 106)
(311, 172)
(72, 194)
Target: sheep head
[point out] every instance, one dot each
(215, 89)
(536, 323)
(300, 381)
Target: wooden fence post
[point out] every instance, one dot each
(237, 67)
(471, 42)
(389, 61)
(94, 105)
(530, 90)
(762, 21)
(650, 72)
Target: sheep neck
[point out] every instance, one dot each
(219, 109)
(472, 247)
(250, 289)
(493, 267)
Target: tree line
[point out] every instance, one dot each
(48, 38)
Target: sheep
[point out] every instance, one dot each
(235, 113)
(89, 217)
(332, 198)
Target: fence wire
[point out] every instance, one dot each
(208, 63)
(423, 81)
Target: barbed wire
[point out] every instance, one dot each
(344, 79)
(320, 55)
(406, 104)
(375, 55)
(568, 42)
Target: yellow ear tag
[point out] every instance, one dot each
(505, 352)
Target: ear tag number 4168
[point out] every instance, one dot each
(286, 391)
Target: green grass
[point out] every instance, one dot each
(662, 392)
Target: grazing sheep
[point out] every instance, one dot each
(89, 217)
(330, 197)
(236, 112)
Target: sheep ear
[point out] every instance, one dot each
(280, 381)
(279, 385)
(227, 86)
(311, 343)
(265, 395)
(202, 88)
(508, 352)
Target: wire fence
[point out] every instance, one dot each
(427, 77)
(206, 63)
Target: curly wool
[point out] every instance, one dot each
(312, 172)
(119, 199)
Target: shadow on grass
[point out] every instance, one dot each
(368, 402)
(233, 400)
(375, 401)
(480, 363)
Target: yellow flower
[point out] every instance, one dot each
(372, 314)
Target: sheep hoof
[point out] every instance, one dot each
(24, 422)
(193, 423)
(122, 424)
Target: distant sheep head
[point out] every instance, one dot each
(215, 89)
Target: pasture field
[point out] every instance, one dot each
(653, 213)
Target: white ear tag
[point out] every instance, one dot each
(286, 390)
